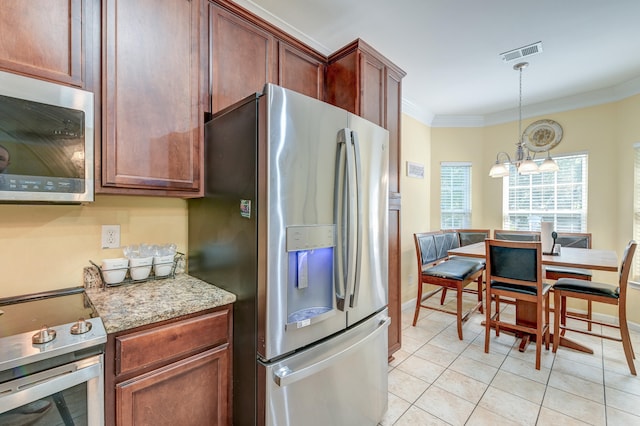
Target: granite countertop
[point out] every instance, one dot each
(133, 305)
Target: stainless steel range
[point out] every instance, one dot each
(51, 360)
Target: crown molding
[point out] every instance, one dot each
(568, 103)
(413, 110)
(283, 25)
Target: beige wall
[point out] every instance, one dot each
(46, 247)
(606, 132)
(416, 204)
(460, 145)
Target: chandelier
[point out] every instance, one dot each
(522, 159)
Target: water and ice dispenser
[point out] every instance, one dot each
(310, 290)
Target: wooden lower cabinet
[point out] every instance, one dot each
(175, 372)
(192, 391)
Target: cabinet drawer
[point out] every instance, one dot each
(164, 344)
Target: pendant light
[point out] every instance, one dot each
(522, 159)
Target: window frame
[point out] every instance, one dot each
(564, 219)
(463, 215)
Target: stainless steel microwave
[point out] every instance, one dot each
(46, 142)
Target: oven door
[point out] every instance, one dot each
(68, 394)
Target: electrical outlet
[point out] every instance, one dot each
(110, 236)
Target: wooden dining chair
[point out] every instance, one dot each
(601, 293)
(514, 270)
(577, 240)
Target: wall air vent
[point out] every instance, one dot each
(521, 52)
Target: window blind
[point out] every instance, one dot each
(559, 197)
(455, 195)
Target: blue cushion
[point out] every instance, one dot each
(587, 287)
(454, 269)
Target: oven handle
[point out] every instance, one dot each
(19, 392)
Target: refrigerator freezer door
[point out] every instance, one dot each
(297, 305)
(342, 381)
(370, 289)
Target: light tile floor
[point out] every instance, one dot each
(437, 379)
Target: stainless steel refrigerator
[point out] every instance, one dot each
(294, 222)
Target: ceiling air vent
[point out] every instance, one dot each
(522, 52)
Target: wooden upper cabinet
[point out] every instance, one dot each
(243, 58)
(155, 95)
(248, 52)
(44, 38)
(300, 71)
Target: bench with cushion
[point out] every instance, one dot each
(436, 268)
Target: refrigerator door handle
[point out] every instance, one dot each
(345, 218)
(358, 213)
(285, 376)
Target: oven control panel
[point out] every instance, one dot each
(22, 349)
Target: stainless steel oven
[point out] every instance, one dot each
(52, 374)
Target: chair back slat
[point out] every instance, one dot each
(574, 239)
(503, 234)
(445, 242)
(425, 248)
(472, 236)
(514, 263)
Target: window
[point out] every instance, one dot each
(559, 197)
(455, 195)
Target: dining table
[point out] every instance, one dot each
(593, 259)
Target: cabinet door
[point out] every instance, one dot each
(243, 58)
(300, 71)
(193, 391)
(155, 91)
(372, 79)
(43, 38)
(393, 102)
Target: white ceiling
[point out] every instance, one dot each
(450, 50)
